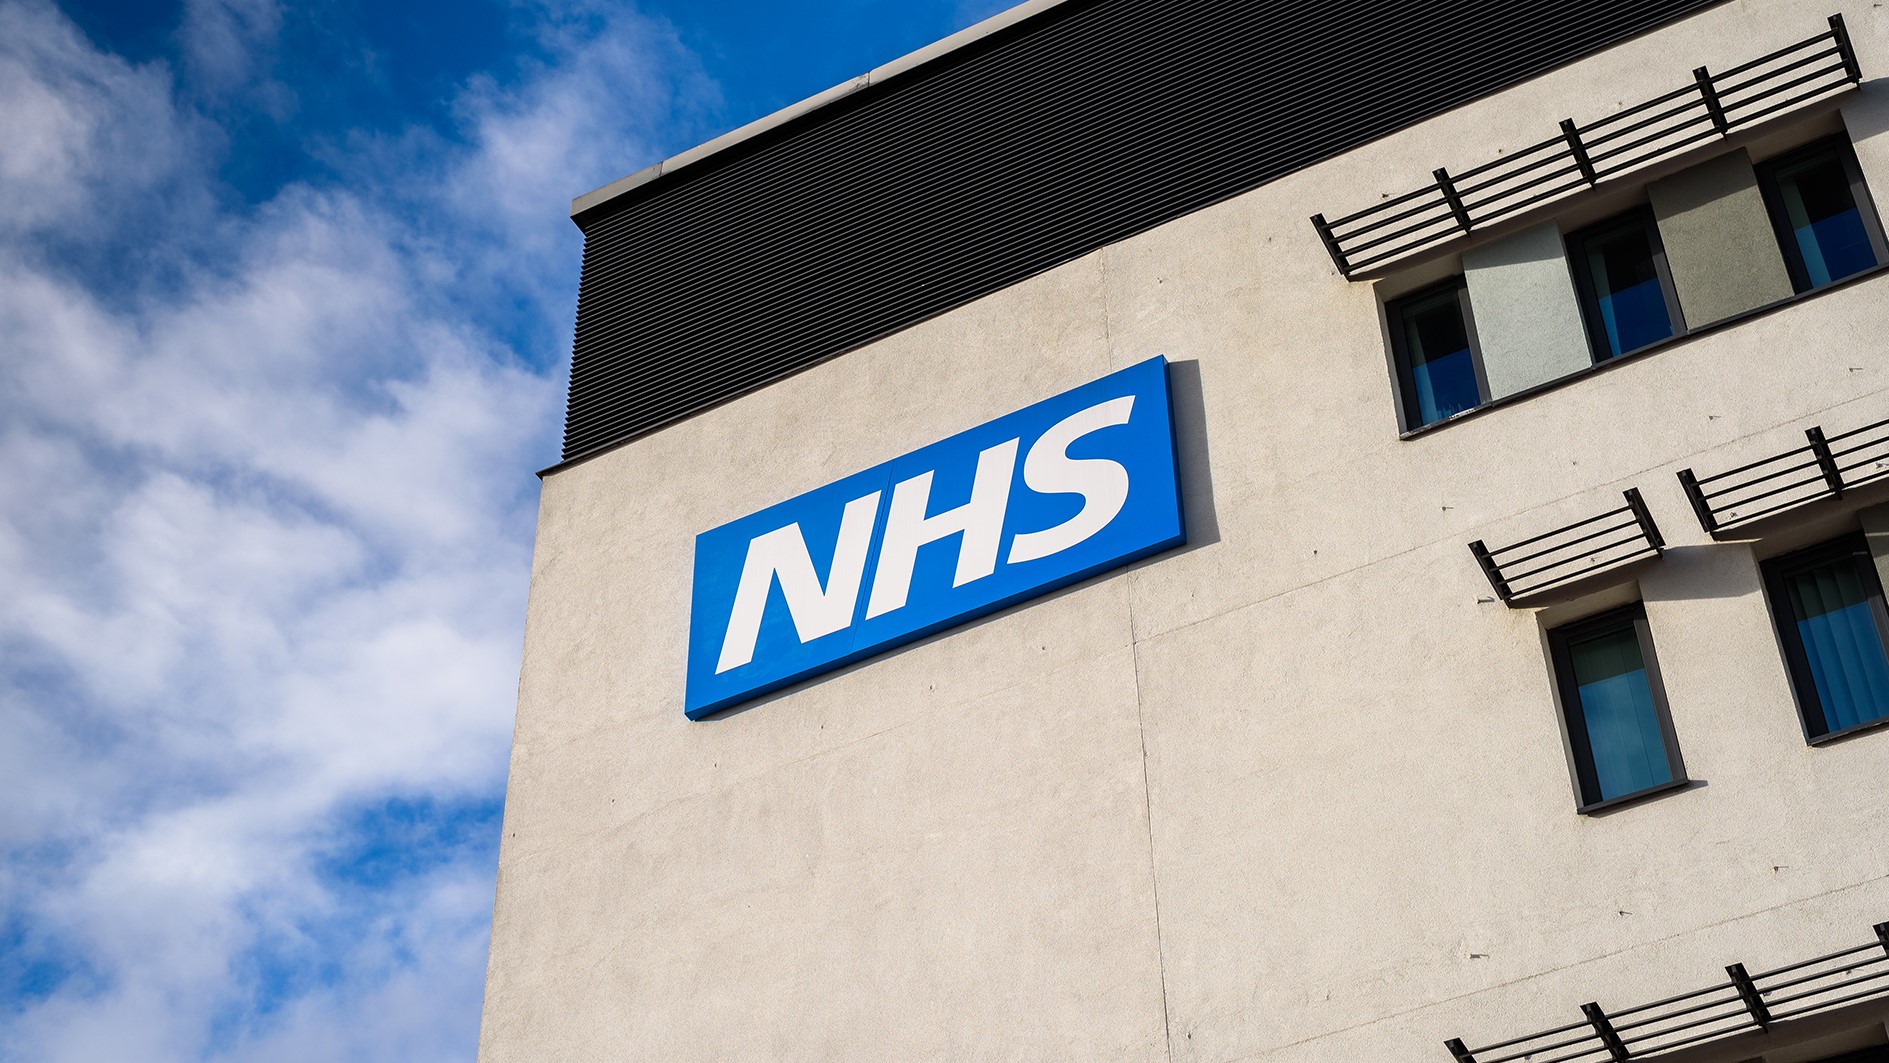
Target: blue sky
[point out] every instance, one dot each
(285, 301)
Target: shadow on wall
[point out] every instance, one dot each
(1716, 570)
(1194, 456)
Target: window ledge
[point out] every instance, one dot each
(1652, 348)
(1634, 798)
(1847, 732)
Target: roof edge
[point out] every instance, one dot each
(997, 23)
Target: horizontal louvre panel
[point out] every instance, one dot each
(1071, 130)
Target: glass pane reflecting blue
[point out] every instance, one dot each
(1823, 216)
(1442, 371)
(1631, 302)
(1617, 710)
(1840, 640)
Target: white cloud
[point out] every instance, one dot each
(226, 40)
(80, 131)
(266, 535)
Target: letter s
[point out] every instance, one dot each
(1049, 470)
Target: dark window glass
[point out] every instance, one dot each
(1625, 293)
(1821, 214)
(1619, 735)
(1437, 353)
(1827, 602)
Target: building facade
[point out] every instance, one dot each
(1514, 692)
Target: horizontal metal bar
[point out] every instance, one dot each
(1531, 540)
(1831, 988)
(1525, 186)
(1570, 544)
(1399, 216)
(1779, 1016)
(1780, 72)
(1660, 152)
(1686, 90)
(1769, 476)
(1450, 219)
(1667, 1016)
(1867, 444)
(1621, 149)
(1859, 431)
(1599, 1046)
(1513, 173)
(1383, 205)
(1786, 87)
(1626, 140)
(1703, 480)
(1779, 54)
(1569, 1028)
(1643, 123)
(1717, 505)
(1738, 1012)
(1510, 157)
(1825, 958)
(1754, 481)
(1394, 253)
(1861, 480)
(1552, 193)
(1822, 90)
(1720, 988)
(1740, 520)
(1604, 1033)
(1535, 1050)
(1847, 968)
(1584, 555)
(1706, 1036)
(1604, 566)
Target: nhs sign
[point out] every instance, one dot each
(1032, 501)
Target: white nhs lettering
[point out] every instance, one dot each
(817, 611)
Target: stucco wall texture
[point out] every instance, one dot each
(1719, 244)
(1292, 793)
(1528, 321)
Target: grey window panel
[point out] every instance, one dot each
(1528, 319)
(1876, 531)
(1720, 246)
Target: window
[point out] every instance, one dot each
(1827, 603)
(1439, 368)
(1626, 293)
(1619, 737)
(1825, 223)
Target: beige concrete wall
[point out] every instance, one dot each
(1293, 793)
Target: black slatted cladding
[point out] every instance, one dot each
(1083, 125)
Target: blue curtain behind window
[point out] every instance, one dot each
(1442, 371)
(1839, 635)
(1824, 217)
(1626, 285)
(1445, 385)
(1617, 710)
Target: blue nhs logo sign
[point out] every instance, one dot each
(1012, 509)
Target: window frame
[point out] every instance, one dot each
(1576, 245)
(1402, 374)
(1840, 146)
(1855, 547)
(1575, 741)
